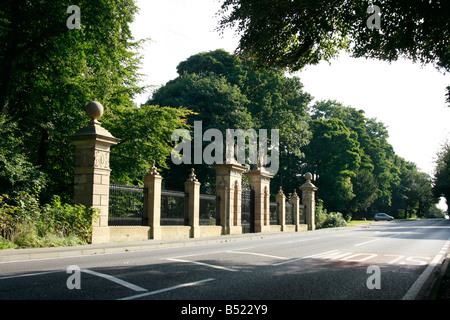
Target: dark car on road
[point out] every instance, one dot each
(383, 216)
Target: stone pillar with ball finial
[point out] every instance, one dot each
(91, 170)
(309, 202)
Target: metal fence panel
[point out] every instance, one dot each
(209, 210)
(289, 217)
(126, 205)
(173, 204)
(274, 218)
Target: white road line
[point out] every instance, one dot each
(202, 264)
(114, 279)
(363, 243)
(204, 253)
(260, 254)
(297, 259)
(396, 235)
(303, 240)
(28, 275)
(415, 288)
(190, 284)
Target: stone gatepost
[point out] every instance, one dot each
(281, 208)
(152, 202)
(91, 171)
(228, 188)
(192, 187)
(295, 201)
(308, 200)
(259, 180)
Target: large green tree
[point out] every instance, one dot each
(290, 34)
(382, 181)
(442, 173)
(48, 73)
(333, 156)
(227, 92)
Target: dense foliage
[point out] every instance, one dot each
(48, 74)
(442, 173)
(290, 34)
(26, 223)
(226, 92)
(350, 153)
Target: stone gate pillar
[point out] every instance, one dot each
(192, 187)
(309, 201)
(228, 188)
(295, 201)
(152, 202)
(259, 180)
(281, 208)
(91, 171)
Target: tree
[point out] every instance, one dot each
(365, 188)
(145, 134)
(442, 173)
(48, 73)
(291, 34)
(382, 181)
(226, 92)
(216, 103)
(333, 157)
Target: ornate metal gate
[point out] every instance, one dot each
(247, 209)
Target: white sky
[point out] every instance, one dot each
(407, 98)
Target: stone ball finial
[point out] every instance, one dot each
(308, 176)
(94, 110)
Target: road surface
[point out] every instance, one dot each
(381, 261)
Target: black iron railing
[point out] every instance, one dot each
(209, 210)
(274, 218)
(126, 205)
(173, 208)
(248, 210)
(289, 213)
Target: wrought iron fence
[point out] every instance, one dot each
(173, 208)
(247, 209)
(274, 218)
(289, 217)
(209, 210)
(302, 217)
(126, 205)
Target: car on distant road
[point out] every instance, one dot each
(383, 216)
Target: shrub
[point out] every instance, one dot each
(24, 223)
(66, 219)
(328, 220)
(334, 219)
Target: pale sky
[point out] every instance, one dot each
(407, 98)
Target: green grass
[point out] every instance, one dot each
(357, 222)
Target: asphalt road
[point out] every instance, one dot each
(382, 261)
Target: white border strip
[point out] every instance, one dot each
(415, 288)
